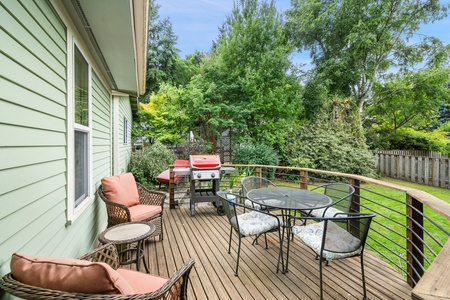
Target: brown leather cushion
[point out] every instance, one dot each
(121, 189)
(68, 275)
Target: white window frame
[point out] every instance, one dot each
(74, 212)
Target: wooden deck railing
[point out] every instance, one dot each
(411, 230)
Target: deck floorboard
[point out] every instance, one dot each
(204, 238)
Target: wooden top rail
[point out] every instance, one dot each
(433, 202)
(434, 284)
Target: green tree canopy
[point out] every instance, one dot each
(353, 43)
(247, 82)
(409, 100)
(160, 120)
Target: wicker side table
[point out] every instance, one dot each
(129, 239)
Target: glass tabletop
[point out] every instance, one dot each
(288, 198)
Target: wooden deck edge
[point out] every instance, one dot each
(435, 282)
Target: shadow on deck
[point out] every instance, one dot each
(205, 239)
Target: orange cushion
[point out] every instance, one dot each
(121, 189)
(68, 275)
(164, 177)
(142, 212)
(140, 282)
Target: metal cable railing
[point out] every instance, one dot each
(405, 233)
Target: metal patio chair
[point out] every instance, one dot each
(253, 223)
(250, 183)
(340, 193)
(341, 237)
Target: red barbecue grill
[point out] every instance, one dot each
(205, 171)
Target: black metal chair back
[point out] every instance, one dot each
(254, 182)
(340, 193)
(340, 237)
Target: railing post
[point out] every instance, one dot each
(355, 205)
(304, 179)
(414, 239)
(258, 171)
(172, 203)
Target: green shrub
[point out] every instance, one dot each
(327, 149)
(410, 139)
(147, 163)
(445, 128)
(259, 154)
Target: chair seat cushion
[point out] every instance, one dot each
(68, 275)
(140, 282)
(249, 203)
(254, 223)
(121, 189)
(143, 212)
(339, 242)
(327, 213)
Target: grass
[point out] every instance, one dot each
(387, 235)
(388, 231)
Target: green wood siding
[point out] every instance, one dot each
(124, 149)
(34, 138)
(33, 127)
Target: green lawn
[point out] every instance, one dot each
(389, 228)
(388, 231)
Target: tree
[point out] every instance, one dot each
(185, 69)
(204, 102)
(255, 73)
(409, 100)
(162, 54)
(160, 120)
(354, 43)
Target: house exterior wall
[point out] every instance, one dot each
(124, 136)
(35, 152)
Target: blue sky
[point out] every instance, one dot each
(196, 23)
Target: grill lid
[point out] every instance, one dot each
(205, 161)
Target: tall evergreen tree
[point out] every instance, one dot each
(162, 53)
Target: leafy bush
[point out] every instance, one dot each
(445, 127)
(257, 155)
(410, 139)
(147, 163)
(327, 149)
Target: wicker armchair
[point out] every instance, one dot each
(174, 288)
(118, 213)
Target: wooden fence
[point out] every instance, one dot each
(432, 171)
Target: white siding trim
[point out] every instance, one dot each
(116, 136)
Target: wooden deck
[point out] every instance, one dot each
(205, 239)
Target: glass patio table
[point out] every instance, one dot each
(288, 199)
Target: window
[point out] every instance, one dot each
(125, 130)
(81, 127)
